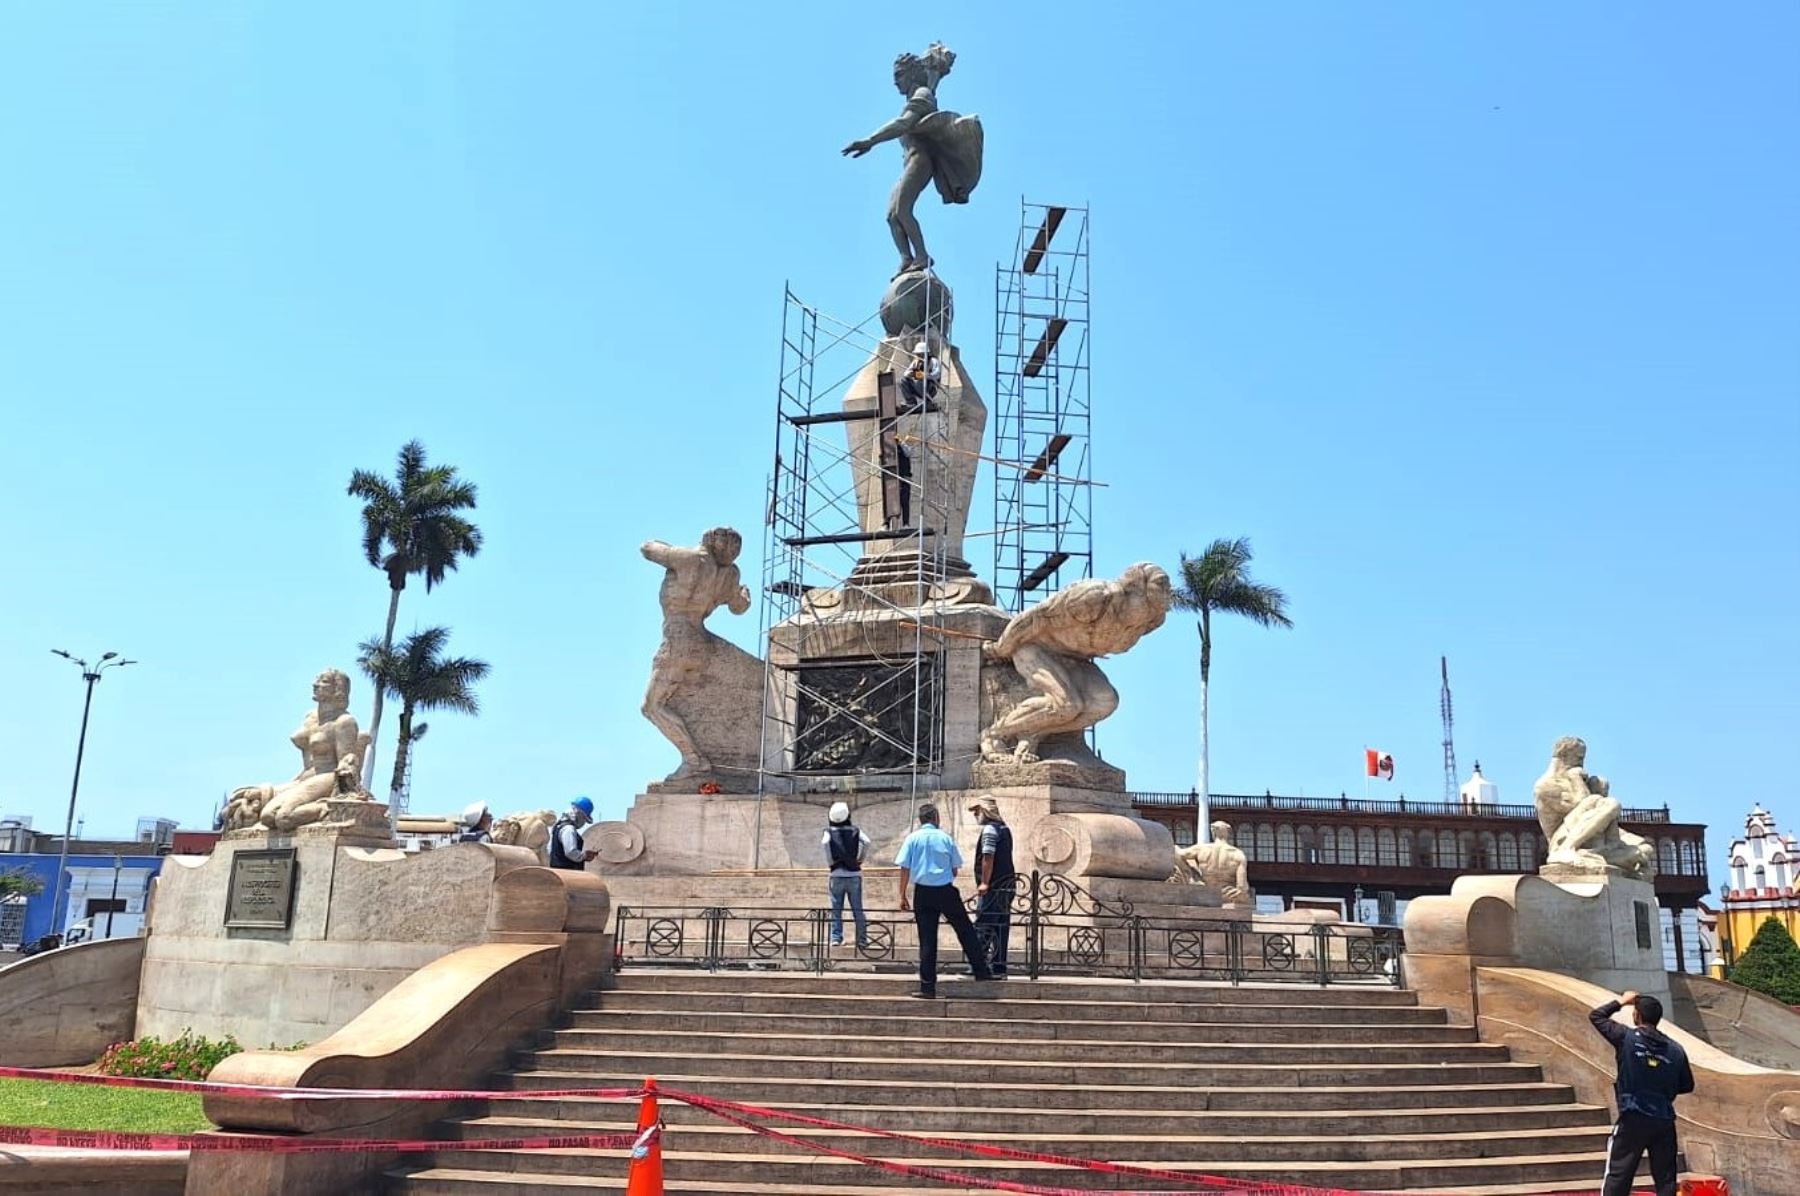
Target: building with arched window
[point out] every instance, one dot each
(1762, 881)
(1322, 850)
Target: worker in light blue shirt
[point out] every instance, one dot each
(928, 861)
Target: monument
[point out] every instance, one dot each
(898, 678)
(1219, 865)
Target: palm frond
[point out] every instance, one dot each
(1219, 580)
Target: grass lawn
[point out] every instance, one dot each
(87, 1107)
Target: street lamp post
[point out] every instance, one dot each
(90, 674)
(118, 862)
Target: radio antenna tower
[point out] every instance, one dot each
(1450, 781)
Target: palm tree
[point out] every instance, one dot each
(411, 526)
(419, 677)
(1219, 580)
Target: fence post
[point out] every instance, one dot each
(820, 919)
(715, 938)
(1322, 952)
(1034, 943)
(1234, 951)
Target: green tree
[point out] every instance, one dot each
(411, 527)
(1218, 581)
(16, 882)
(418, 676)
(1771, 965)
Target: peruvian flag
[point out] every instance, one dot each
(1379, 763)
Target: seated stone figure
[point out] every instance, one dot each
(1219, 865)
(527, 828)
(1580, 818)
(1053, 645)
(331, 754)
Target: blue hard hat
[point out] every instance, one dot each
(584, 804)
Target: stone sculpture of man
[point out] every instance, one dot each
(1218, 865)
(698, 581)
(937, 146)
(1580, 818)
(1053, 645)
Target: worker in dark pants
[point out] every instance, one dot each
(928, 861)
(994, 880)
(1653, 1071)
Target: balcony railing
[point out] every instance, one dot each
(1357, 805)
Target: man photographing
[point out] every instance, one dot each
(1653, 1071)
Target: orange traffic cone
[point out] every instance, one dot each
(645, 1178)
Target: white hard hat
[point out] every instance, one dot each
(840, 812)
(921, 348)
(473, 813)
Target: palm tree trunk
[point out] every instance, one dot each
(387, 645)
(1203, 803)
(401, 751)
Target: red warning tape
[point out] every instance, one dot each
(1188, 1178)
(26, 1135)
(276, 1093)
(1219, 1185)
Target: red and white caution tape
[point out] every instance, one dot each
(25, 1135)
(290, 1094)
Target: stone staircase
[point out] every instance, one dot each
(1348, 1087)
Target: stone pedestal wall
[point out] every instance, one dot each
(364, 918)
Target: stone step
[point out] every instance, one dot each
(688, 1171)
(1522, 1085)
(1186, 1150)
(833, 986)
(958, 999)
(951, 1043)
(1346, 1118)
(1250, 1067)
(648, 1018)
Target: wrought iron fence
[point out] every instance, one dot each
(1056, 928)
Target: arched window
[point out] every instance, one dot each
(1365, 845)
(1528, 856)
(1327, 845)
(1508, 859)
(1387, 848)
(1309, 845)
(1408, 856)
(1466, 851)
(1346, 845)
(1490, 850)
(1447, 855)
(1425, 853)
(1284, 844)
(1265, 841)
(1183, 830)
(1690, 858)
(1665, 855)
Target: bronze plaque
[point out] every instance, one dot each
(262, 889)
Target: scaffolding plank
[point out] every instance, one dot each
(1046, 567)
(1040, 244)
(1046, 343)
(1048, 457)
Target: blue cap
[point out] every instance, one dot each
(584, 804)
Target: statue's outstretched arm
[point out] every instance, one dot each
(656, 550)
(900, 126)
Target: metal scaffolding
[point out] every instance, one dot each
(840, 699)
(1043, 489)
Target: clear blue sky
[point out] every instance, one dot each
(1479, 319)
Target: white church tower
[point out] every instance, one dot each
(1479, 793)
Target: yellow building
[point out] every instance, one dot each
(1762, 882)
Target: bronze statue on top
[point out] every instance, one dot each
(937, 146)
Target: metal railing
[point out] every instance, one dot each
(1357, 805)
(1059, 927)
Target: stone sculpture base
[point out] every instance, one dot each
(348, 821)
(1599, 927)
(363, 918)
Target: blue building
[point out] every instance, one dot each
(107, 885)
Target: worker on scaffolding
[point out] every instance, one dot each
(918, 388)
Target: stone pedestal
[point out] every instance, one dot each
(361, 919)
(1601, 927)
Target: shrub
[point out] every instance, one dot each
(16, 882)
(189, 1057)
(1771, 965)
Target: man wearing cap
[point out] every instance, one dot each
(845, 846)
(928, 861)
(478, 824)
(567, 851)
(994, 882)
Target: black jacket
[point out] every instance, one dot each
(1653, 1070)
